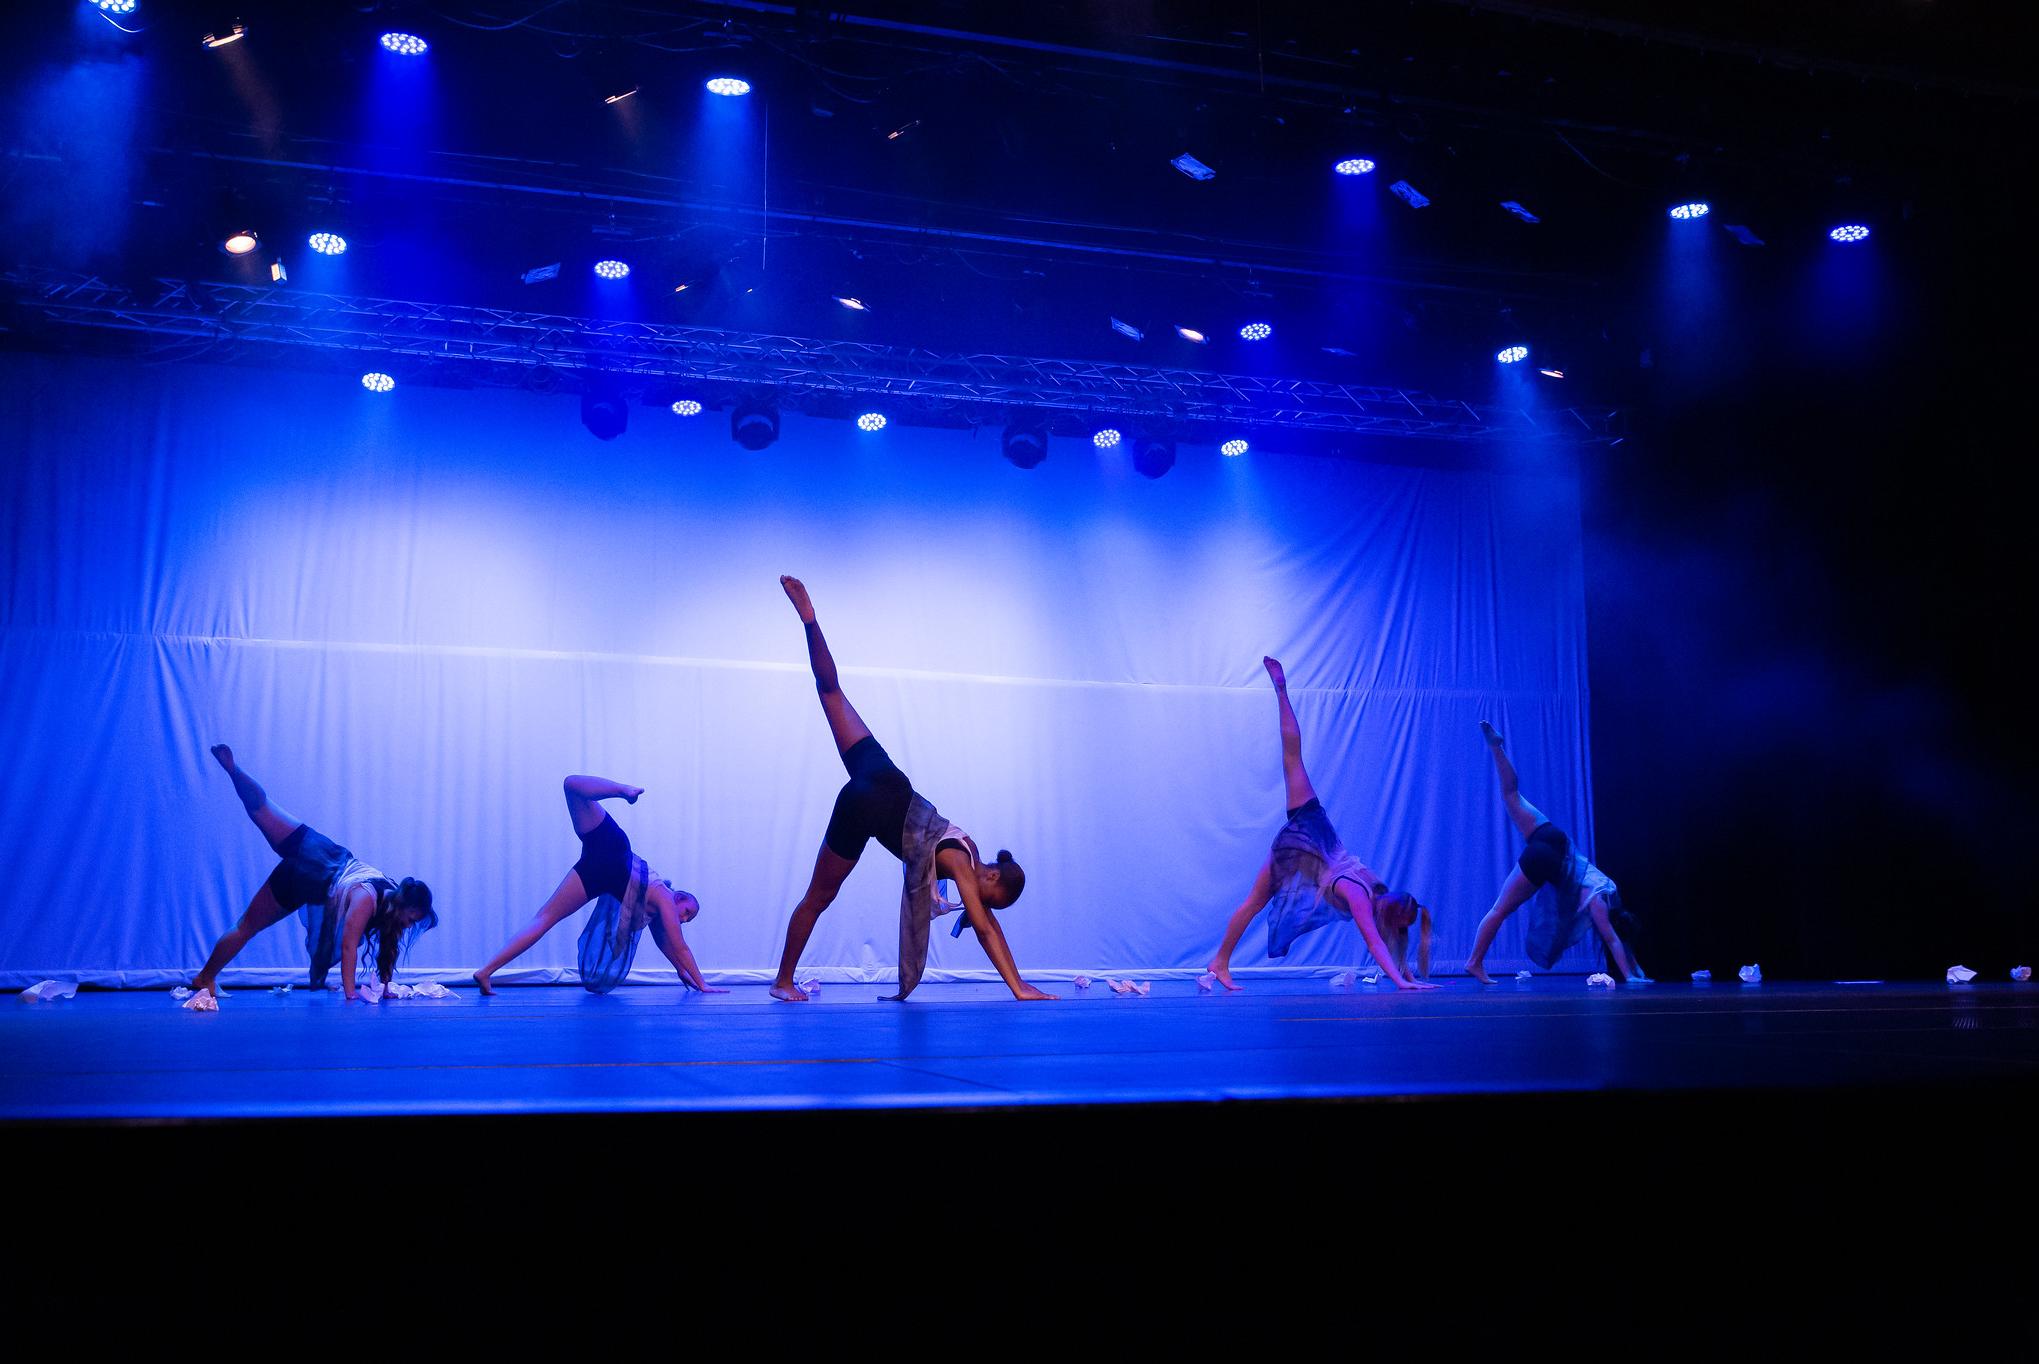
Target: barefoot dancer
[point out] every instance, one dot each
(629, 895)
(351, 910)
(1579, 892)
(879, 802)
(1310, 880)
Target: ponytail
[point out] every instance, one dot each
(1423, 942)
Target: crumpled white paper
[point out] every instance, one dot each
(1702, 977)
(1751, 975)
(1345, 980)
(1523, 975)
(1128, 987)
(43, 991)
(183, 993)
(1959, 975)
(1370, 978)
(1083, 982)
(1205, 981)
(810, 988)
(1601, 978)
(279, 989)
(204, 1001)
(2021, 973)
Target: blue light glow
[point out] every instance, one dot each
(611, 269)
(728, 85)
(1512, 354)
(1851, 232)
(686, 407)
(1354, 165)
(377, 383)
(404, 44)
(328, 243)
(116, 6)
(1685, 213)
(239, 243)
(855, 305)
(1106, 438)
(871, 421)
(1255, 331)
(1233, 447)
(1192, 334)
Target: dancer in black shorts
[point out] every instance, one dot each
(876, 802)
(352, 911)
(1578, 895)
(632, 894)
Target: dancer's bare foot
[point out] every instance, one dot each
(1223, 971)
(224, 755)
(200, 984)
(792, 994)
(1490, 734)
(1479, 973)
(631, 793)
(481, 983)
(1281, 681)
(796, 592)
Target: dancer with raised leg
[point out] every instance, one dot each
(879, 802)
(1309, 879)
(628, 896)
(351, 910)
(1577, 893)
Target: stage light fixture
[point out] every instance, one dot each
(1234, 447)
(728, 85)
(611, 269)
(1104, 438)
(1153, 455)
(404, 44)
(226, 35)
(1409, 194)
(855, 305)
(114, 6)
(240, 243)
(1025, 441)
(278, 272)
(1691, 212)
(1354, 165)
(376, 382)
(902, 130)
(1519, 211)
(754, 424)
(605, 408)
(1509, 355)
(871, 421)
(327, 243)
(1192, 334)
(1193, 168)
(1256, 331)
(1552, 373)
(538, 274)
(687, 407)
(1851, 232)
(618, 99)
(1128, 330)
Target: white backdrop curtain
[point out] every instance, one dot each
(413, 614)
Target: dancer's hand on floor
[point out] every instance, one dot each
(1029, 992)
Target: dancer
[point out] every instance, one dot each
(628, 896)
(879, 802)
(1309, 879)
(1578, 893)
(351, 910)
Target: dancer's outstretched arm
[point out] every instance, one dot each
(1361, 909)
(1625, 964)
(960, 868)
(360, 909)
(665, 931)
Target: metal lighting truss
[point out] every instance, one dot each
(462, 344)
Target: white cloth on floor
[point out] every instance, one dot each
(1959, 975)
(44, 991)
(1601, 978)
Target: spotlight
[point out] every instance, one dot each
(1106, 437)
(1025, 442)
(1256, 331)
(728, 85)
(754, 424)
(1510, 355)
(1192, 334)
(115, 6)
(1354, 165)
(855, 305)
(240, 243)
(618, 99)
(1686, 213)
(871, 421)
(1128, 330)
(327, 243)
(605, 411)
(1233, 447)
(377, 383)
(686, 407)
(611, 269)
(224, 36)
(1552, 373)
(1193, 168)
(1852, 232)
(1409, 194)
(1154, 456)
(902, 130)
(404, 44)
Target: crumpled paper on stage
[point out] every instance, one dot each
(279, 989)
(2021, 973)
(1083, 982)
(1524, 975)
(1601, 978)
(1751, 975)
(1205, 981)
(1128, 987)
(1370, 978)
(1959, 975)
(205, 1001)
(1702, 977)
(1345, 980)
(431, 989)
(810, 988)
(43, 991)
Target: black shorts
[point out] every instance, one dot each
(1547, 854)
(604, 867)
(872, 803)
(310, 863)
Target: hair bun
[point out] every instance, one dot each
(1004, 855)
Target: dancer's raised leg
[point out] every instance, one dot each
(570, 896)
(275, 823)
(1256, 900)
(1525, 815)
(1300, 792)
(830, 871)
(843, 721)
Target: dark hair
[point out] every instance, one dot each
(386, 938)
(1400, 902)
(1011, 876)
